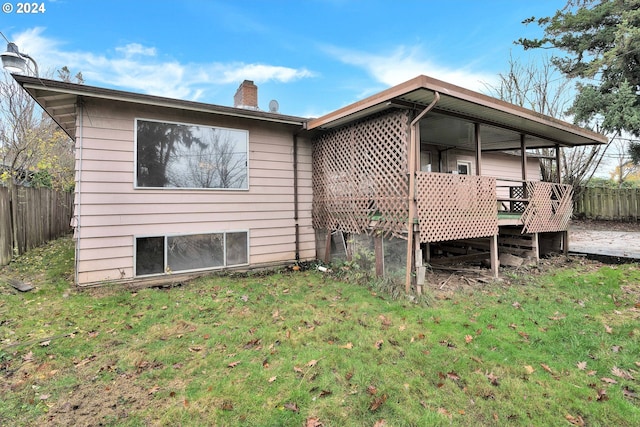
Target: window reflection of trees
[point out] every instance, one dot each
(183, 156)
(219, 162)
(195, 251)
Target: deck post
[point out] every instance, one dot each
(421, 270)
(493, 247)
(478, 143)
(523, 160)
(379, 253)
(414, 158)
(327, 248)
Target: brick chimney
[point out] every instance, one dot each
(246, 96)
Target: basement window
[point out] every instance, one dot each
(187, 156)
(190, 252)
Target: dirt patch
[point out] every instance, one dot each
(96, 404)
(445, 282)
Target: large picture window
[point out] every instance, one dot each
(174, 155)
(190, 252)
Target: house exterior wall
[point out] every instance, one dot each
(499, 165)
(110, 212)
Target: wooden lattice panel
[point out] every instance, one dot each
(359, 173)
(452, 207)
(549, 209)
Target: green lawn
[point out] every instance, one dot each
(302, 348)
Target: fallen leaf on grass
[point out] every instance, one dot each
(380, 423)
(272, 379)
(453, 376)
(379, 344)
(444, 412)
(28, 357)
(602, 395)
(153, 390)
(372, 390)
(385, 321)
(227, 405)
(85, 361)
(348, 346)
(546, 368)
(608, 329)
(233, 364)
(292, 406)
(621, 374)
(627, 392)
(195, 348)
(582, 365)
(313, 422)
(516, 305)
(493, 379)
(377, 403)
(325, 393)
(557, 316)
(576, 421)
(608, 380)
(529, 369)
(44, 396)
(468, 338)
(312, 363)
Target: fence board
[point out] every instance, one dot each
(5, 227)
(42, 214)
(616, 204)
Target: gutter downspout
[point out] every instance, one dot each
(78, 189)
(295, 196)
(414, 146)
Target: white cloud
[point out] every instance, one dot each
(405, 63)
(139, 68)
(136, 49)
(261, 73)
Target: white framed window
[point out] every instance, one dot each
(464, 167)
(190, 252)
(187, 156)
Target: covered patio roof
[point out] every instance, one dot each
(540, 131)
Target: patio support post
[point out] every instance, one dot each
(414, 147)
(565, 233)
(478, 149)
(493, 248)
(523, 160)
(558, 168)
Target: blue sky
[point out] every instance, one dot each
(313, 56)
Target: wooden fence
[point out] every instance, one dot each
(619, 204)
(39, 215)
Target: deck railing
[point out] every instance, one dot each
(542, 206)
(453, 207)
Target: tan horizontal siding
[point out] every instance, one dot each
(114, 212)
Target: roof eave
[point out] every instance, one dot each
(405, 93)
(33, 84)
